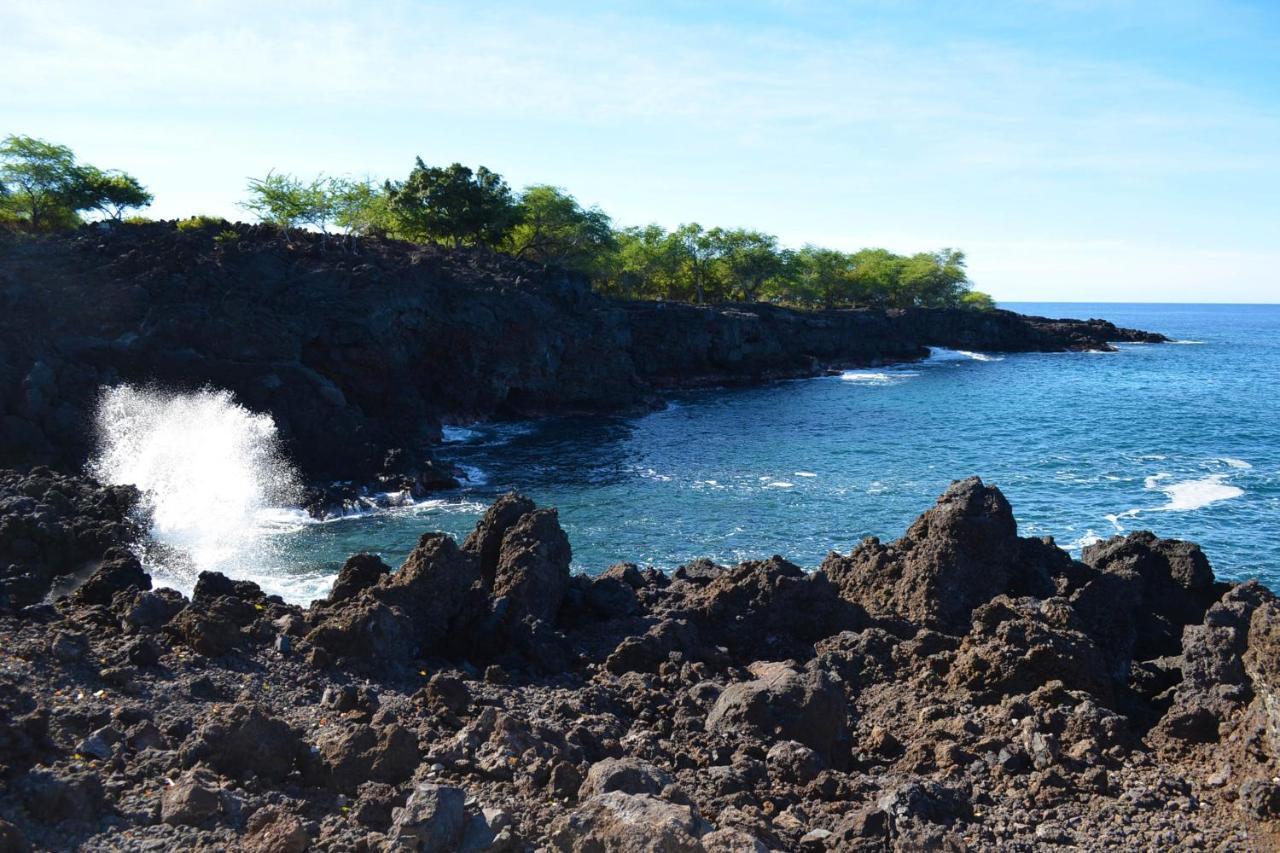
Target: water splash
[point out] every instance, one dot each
(216, 485)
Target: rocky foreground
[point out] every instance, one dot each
(360, 347)
(959, 688)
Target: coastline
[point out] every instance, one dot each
(363, 350)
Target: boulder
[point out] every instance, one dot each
(273, 829)
(782, 702)
(354, 754)
(431, 820)
(628, 775)
(192, 799)
(618, 822)
(120, 571)
(245, 740)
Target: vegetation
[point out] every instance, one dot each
(44, 188)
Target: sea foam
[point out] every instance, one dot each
(216, 487)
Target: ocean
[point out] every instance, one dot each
(1182, 439)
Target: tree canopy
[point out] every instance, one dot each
(453, 204)
(45, 188)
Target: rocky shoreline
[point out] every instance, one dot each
(959, 688)
(360, 349)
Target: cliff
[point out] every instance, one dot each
(358, 347)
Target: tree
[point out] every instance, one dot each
(976, 300)
(700, 248)
(361, 207)
(44, 186)
(291, 202)
(750, 259)
(454, 205)
(114, 192)
(554, 229)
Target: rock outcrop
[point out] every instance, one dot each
(959, 688)
(360, 348)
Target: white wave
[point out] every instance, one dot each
(805, 474)
(215, 484)
(474, 476)
(1238, 464)
(1089, 537)
(457, 434)
(1116, 517)
(863, 377)
(779, 484)
(942, 354)
(1186, 343)
(1153, 481)
(1195, 494)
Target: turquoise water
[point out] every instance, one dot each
(1182, 439)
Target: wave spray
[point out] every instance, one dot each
(215, 482)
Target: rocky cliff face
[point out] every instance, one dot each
(959, 688)
(356, 348)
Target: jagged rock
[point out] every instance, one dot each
(648, 652)
(1177, 586)
(770, 608)
(627, 775)
(210, 629)
(359, 572)
(432, 586)
(485, 542)
(352, 755)
(629, 823)
(431, 820)
(448, 693)
(119, 571)
(532, 571)
(1016, 646)
(242, 740)
(793, 762)
(730, 840)
(957, 556)
(151, 609)
(1262, 664)
(61, 795)
(785, 703)
(192, 799)
(275, 830)
(366, 629)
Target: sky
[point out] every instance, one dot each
(1079, 150)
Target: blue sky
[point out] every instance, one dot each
(1076, 149)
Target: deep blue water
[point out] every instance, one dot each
(1182, 439)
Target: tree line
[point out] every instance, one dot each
(45, 188)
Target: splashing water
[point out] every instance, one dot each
(216, 485)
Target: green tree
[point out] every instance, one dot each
(452, 204)
(291, 202)
(554, 229)
(361, 207)
(749, 260)
(113, 192)
(976, 300)
(45, 188)
(649, 264)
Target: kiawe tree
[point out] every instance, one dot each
(291, 202)
(554, 229)
(453, 204)
(45, 188)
